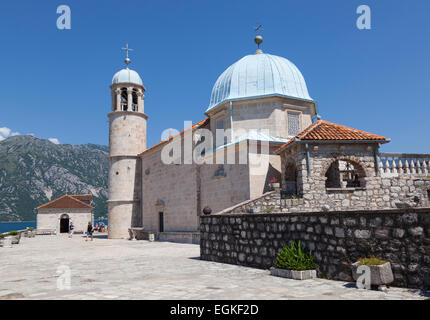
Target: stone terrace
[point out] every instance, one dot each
(121, 269)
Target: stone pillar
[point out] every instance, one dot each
(118, 100)
(140, 101)
(129, 98)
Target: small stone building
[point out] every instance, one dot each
(334, 167)
(57, 214)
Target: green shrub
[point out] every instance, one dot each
(30, 229)
(270, 210)
(2, 235)
(295, 257)
(13, 233)
(372, 261)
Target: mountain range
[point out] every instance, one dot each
(34, 171)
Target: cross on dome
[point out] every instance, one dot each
(127, 59)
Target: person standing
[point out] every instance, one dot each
(90, 230)
(71, 228)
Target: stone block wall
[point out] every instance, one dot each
(337, 239)
(393, 193)
(49, 218)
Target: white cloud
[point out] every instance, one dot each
(54, 140)
(5, 132)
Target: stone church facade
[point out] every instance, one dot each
(272, 130)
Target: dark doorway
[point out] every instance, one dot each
(64, 223)
(161, 221)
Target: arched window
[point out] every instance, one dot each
(134, 104)
(124, 99)
(345, 174)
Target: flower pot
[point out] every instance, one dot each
(151, 237)
(293, 274)
(379, 274)
(275, 185)
(6, 242)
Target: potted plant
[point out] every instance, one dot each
(294, 262)
(380, 270)
(273, 183)
(15, 236)
(151, 236)
(5, 241)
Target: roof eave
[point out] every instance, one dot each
(297, 140)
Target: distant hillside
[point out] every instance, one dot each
(34, 171)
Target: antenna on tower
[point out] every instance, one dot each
(127, 59)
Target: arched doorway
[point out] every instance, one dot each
(64, 223)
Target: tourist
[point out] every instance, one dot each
(71, 228)
(90, 230)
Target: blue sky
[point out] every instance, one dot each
(55, 83)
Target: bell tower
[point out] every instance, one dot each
(127, 139)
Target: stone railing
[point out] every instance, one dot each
(398, 164)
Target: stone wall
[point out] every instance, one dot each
(193, 188)
(161, 192)
(337, 239)
(393, 193)
(269, 114)
(49, 218)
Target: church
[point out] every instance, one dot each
(260, 127)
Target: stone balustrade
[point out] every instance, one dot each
(398, 164)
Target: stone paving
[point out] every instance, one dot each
(122, 269)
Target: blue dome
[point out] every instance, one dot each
(259, 75)
(127, 75)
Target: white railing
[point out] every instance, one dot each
(397, 164)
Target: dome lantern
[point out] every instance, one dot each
(127, 75)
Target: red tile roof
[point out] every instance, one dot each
(329, 131)
(198, 124)
(69, 201)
